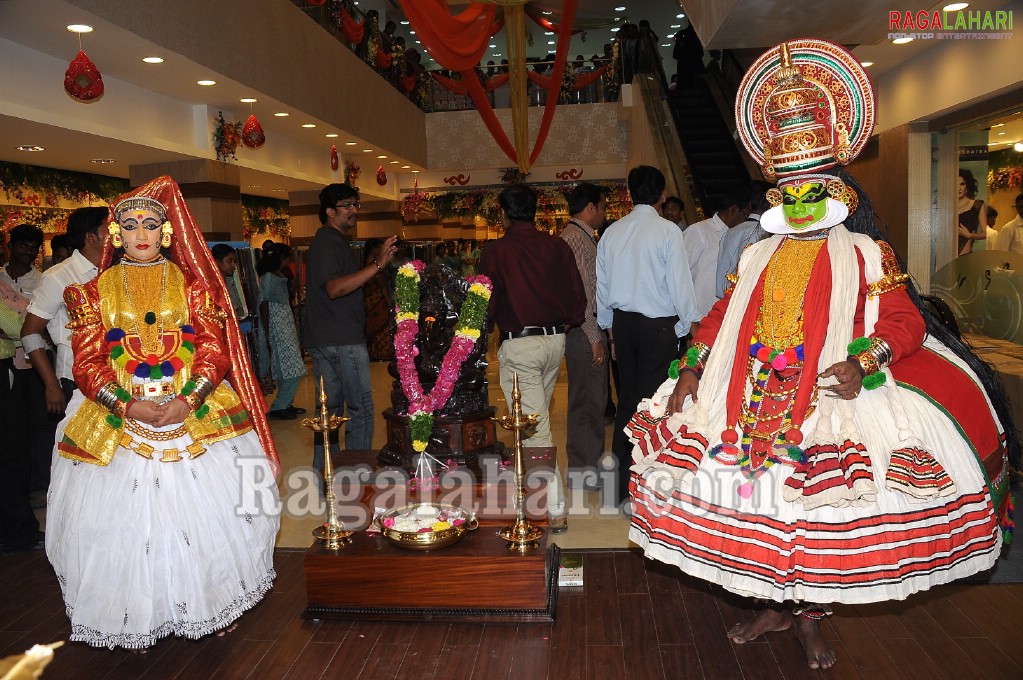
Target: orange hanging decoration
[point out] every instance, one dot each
(381, 176)
(252, 133)
(333, 158)
(82, 81)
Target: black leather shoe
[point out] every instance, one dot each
(281, 414)
(36, 543)
(297, 410)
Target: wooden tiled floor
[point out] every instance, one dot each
(634, 619)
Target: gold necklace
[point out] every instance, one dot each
(138, 276)
(780, 322)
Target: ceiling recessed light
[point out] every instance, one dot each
(205, 83)
(550, 42)
(332, 134)
(866, 64)
(498, 54)
(1018, 146)
(80, 28)
(350, 143)
(415, 171)
(1001, 133)
(308, 125)
(103, 161)
(367, 151)
(381, 156)
(548, 12)
(491, 46)
(676, 25)
(153, 60)
(283, 190)
(665, 44)
(548, 32)
(614, 30)
(405, 167)
(418, 43)
(404, 22)
(282, 114)
(247, 100)
(998, 125)
(902, 41)
(680, 16)
(411, 32)
(395, 162)
(955, 7)
(620, 9)
(29, 147)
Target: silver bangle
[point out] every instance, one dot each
(881, 351)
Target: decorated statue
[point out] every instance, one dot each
(440, 401)
(825, 439)
(162, 509)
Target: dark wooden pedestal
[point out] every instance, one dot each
(462, 439)
(476, 580)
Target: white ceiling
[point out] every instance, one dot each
(725, 24)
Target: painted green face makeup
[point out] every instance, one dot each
(804, 205)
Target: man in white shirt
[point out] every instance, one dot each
(1010, 236)
(48, 312)
(644, 300)
(703, 241)
(674, 211)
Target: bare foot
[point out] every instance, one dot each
(767, 621)
(819, 652)
(229, 629)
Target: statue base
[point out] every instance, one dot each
(460, 439)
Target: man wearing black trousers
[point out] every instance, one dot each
(645, 298)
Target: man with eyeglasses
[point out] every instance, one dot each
(703, 240)
(335, 322)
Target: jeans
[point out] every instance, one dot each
(286, 389)
(345, 373)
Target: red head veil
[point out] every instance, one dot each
(189, 251)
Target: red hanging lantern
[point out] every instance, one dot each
(381, 176)
(252, 133)
(333, 158)
(82, 81)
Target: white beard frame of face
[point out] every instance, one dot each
(773, 220)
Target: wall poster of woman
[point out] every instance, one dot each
(972, 214)
(162, 509)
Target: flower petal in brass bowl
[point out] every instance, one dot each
(426, 526)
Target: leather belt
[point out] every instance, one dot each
(533, 330)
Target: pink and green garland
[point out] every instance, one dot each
(422, 405)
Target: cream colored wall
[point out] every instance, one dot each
(322, 77)
(947, 76)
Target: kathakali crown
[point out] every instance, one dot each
(805, 106)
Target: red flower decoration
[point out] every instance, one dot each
(381, 176)
(333, 158)
(82, 80)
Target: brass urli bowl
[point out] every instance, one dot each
(427, 540)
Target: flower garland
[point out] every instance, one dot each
(351, 173)
(467, 332)
(33, 185)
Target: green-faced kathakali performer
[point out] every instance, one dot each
(826, 439)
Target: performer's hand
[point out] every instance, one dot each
(172, 413)
(850, 379)
(143, 411)
(687, 386)
(599, 353)
(55, 402)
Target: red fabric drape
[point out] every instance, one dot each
(582, 81)
(557, 75)
(353, 30)
(383, 58)
(547, 23)
(408, 83)
(456, 42)
(458, 87)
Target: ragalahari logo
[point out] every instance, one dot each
(941, 25)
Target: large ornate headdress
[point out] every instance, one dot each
(189, 251)
(805, 107)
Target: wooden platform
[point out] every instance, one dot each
(476, 580)
(633, 620)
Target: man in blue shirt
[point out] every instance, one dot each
(645, 299)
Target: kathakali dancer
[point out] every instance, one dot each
(162, 508)
(826, 439)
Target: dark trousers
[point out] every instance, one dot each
(42, 427)
(18, 525)
(587, 398)
(644, 348)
